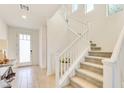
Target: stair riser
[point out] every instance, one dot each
(90, 79)
(92, 45)
(91, 68)
(94, 60)
(98, 54)
(95, 48)
(75, 85)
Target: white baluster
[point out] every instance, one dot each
(57, 70)
(73, 54)
(68, 64)
(61, 65)
(64, 63)
(71, 58)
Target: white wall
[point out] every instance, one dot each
(12, 43)
(43, 46)
(104, 30)
(114, 24)
(3, 30)
(58, 38)
(40, 48)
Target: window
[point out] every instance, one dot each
(74, 8)
(89, 7)
(114, 8)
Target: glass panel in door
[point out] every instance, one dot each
(24, 48)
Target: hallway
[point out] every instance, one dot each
(33, 77)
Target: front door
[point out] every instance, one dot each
(24, 49)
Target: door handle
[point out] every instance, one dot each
(31, 51)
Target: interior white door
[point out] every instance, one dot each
(24, 49)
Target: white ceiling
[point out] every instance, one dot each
(11, 14)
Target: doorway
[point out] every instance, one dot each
(25, 49)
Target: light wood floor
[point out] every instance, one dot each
(33, 77)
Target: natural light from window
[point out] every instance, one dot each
(114, 8)
(24, 48)
(89, 8)
(74, 8)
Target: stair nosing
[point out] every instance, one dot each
(97, 57)
(100, 51)
(82, 84)
(95, 47)
(90, 74)
(92, 64)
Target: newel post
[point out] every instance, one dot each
(109, 73)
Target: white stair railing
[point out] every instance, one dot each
(113, 68)
(67, 58)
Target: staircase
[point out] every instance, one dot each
(90, 73)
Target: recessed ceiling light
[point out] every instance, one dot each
(24, 16)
